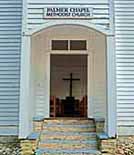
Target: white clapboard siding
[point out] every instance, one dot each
(35, 11)
(10, 42)
(124, 29)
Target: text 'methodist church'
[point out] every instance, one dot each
(63, 58)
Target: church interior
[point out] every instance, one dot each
(69, 75)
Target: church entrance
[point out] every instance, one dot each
(65, 65)
(68, 85)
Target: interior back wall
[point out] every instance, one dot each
(61, 67)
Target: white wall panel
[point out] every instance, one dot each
(10, 42)
(99, 76)
(124, 30)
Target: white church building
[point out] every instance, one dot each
(64, 48)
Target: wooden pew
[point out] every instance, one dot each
(83, 107)
(52, 106)
(55, 107)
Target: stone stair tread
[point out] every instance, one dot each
(70, 125)
(69, 141)
(33, 136)
(68, 121)
(68, 137)
(67, 151)
(51, 133)
(68, 146)
(63, 129)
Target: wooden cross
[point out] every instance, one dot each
(71, 81)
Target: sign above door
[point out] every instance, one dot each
(68, 12)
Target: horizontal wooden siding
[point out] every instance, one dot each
(124, 29)
(35, 11)
(10, 43)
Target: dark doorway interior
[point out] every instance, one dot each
(68, 86)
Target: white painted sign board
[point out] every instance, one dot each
(68, 12)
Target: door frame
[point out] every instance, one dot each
(25, 112)
(89, 69)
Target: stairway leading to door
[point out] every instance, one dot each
(65, 136)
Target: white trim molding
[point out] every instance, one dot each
(69, 22)
(111, 87)
(112, 15)
(90, 85)
(25, 125)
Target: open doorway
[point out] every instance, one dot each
(68, 93)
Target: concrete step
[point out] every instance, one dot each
(68, 144)
(68, 136)
(67, 152)
(70, 125)
(64, 129)
(69, 133)
(69, 121)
